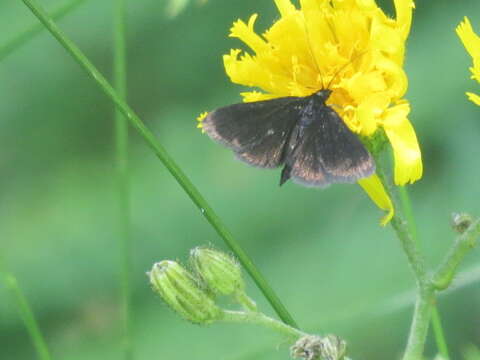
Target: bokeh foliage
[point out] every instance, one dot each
(322, 250)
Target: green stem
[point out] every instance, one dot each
(28, 318)
(440, 338)
(246, 302)
(408, 211)
(165, 158)
(438, 332)
(421, 316)
(121, 150)
(420, 323)
(465, 242)
(30, 32)
(261, 319)
(409, 246)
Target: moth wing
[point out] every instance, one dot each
(328, 152)
(256, 131)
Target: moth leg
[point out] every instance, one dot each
(285, 174)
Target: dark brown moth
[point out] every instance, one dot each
(303, 134)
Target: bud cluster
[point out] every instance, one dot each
(191, 294)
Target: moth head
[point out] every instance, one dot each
(324, 94)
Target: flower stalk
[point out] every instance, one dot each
(426, 295)
(263, 320)
(192, 294)
(435, 315)
(410, 248)
(427, 285)
(420, 323)
(182, 179)
(465, 242)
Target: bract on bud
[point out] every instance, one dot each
(314, 347)
(218, 270)
(461, 222)
(333, 348)
(180, 290)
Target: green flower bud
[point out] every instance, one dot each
(218, 270)
(180, 290)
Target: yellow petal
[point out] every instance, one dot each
(250, 96)
(375, 190)
(200, 119)
(246, 70)
(470, 40)
(240, 69)
(395, 77)
(406, 151)
(362, 85)
(309, 5)
(246, 33)
(475, 69)
(404, 9)
(369, 110)
(285, 7)
(473, 97)
(385, 37)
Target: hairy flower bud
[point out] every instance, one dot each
(314, 347)
(461, 222)
(218, 270)
(180, 290)
(333, 348)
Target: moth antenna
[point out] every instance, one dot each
(344, 66)
(312, 54)
(310, 49)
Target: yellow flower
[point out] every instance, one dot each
(471, 41)
(356, 50)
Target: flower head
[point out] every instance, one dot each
(353, 48)
(471, 41)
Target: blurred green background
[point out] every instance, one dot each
(334, 267)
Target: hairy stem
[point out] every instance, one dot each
(246, 302)
(165, 158)
(408, 211)
(420, 322)
(409, 246)
(411, 224)
(440, 338)
(465, 242)
(261, 319)
(425, 297)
